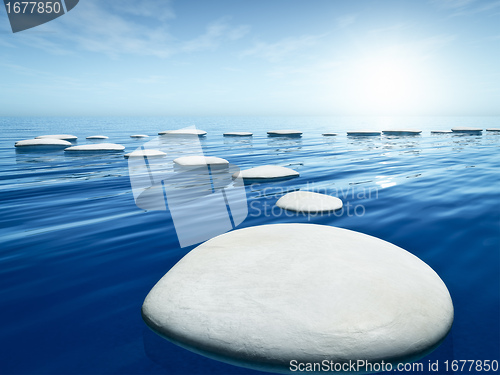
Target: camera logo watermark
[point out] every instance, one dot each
(204, 200)
(24, 15)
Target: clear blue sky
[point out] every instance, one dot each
(256, 57)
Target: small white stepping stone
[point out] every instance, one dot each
(266, 172)
(139, 136)
(402, 132)
(329, 134)
(307, 201)
(364, 133)
(188, 161)
(42, 143)
(466, 130)
(66, 137)
(96, 147)
(493, 130)
(441, 131)
(97, 137)
(265, 296)
(148, 153)
(238, 134)
(289, 133)
(197, 132)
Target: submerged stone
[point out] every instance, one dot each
(308, 201)
(42, 143)
(66, 137)
(266, 172)
(96, 147)
(198, 160)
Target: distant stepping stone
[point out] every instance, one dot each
(193, 161)
(310, 202)
(139, 136)
(364, 133)
(329, 134)
(42, 143)
(441, 132)
(493, 130)
(402, 132)
(197, 132)
(265, 296)
(284, 133)
(145, 153)
(466, 130)
(97, 137)
(66, 137)
(101, 147)
(266, 172)
(238, 134)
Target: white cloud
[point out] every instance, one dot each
(275, 52)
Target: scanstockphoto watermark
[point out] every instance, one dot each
(354, 366)
(263, 203)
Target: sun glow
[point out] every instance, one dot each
(388, 84)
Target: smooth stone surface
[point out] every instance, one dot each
(441, 131)
(329, 134)
(364, 132)
(466, 130)
(65, 137)
(97, 147)
(266, 172)
(308, 201)
(262, 296)
(402, 132)
(493, 130)
(97, 137)
(288, 132)
(148, 153)
(42, 143)
(139, 136)
(200, 160)
(197, 132)
(238, 134)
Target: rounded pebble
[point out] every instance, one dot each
(197, 132)
(97, 147)
(441, 131)
(97, 137)
(493, 130)
(308, 201)
(43, 143)
(66, 137)
(288, 133)
(148, 153)
(266, 172)
(264, 296)
(200, 160)
(466, 130)
(329, 134)
(238, 134)
(139, 136)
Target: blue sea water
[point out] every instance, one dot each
(78, 257)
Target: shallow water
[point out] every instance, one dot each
(77, 256)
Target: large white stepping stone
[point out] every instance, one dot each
(441, 131)
(96, 147)
(42, 143)
(97, 137)
(308, 201)
(238, 134)
(66, 137)
(264, 296)
(139, 136)
(288, 133)
(402, 132)
(188, 161)
(266, 172)
(197, 132)
(493, 130)
(466, 130)
(148, 153)
(364, 133)
(329, 134)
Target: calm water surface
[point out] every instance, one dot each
(77, 256)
